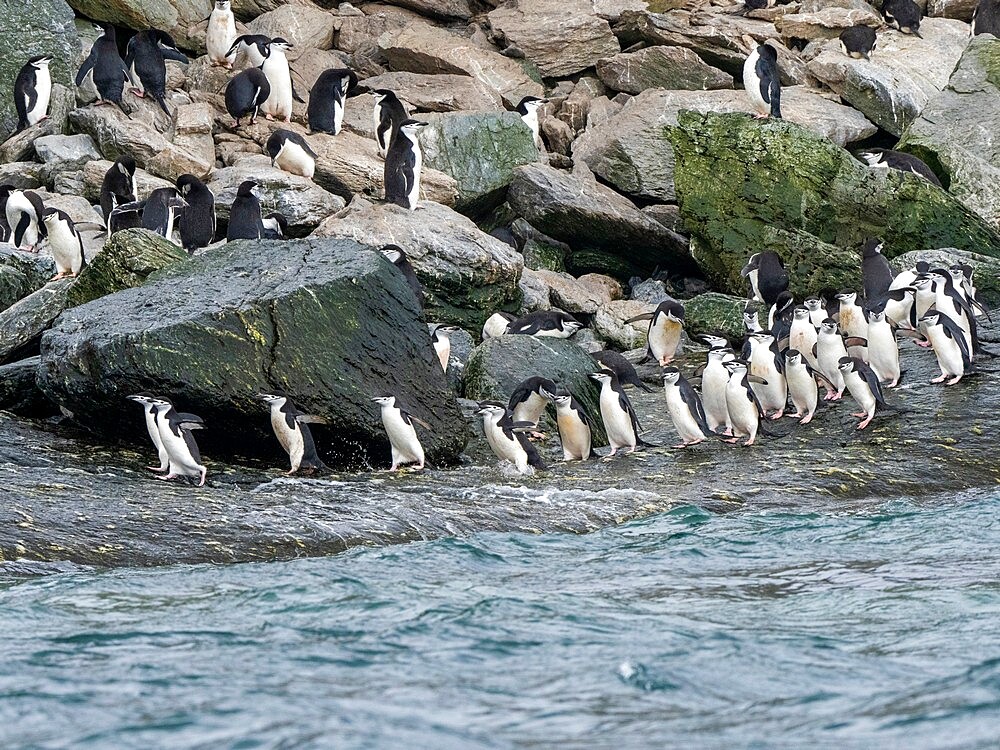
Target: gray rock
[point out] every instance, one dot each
(586, 214)
(534, 292)
(956, 134)
(609, 323)
(960, 9)
(557, 135)
(23, 323)
(631, 151)
(480, 151)
(826, 23)
(331, 323)
(25, 175)
(904, 73)
(438, 93)
(66, 152)
(19, 393)
(582, 295)
(660, 67)
(650, 291)
(302, 201)
(303, 24)
(444, 9)
(179, 17)
(21, 274)
(561, 37)
(467, 274)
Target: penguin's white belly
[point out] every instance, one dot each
(742, 411)
(442, 348)
(338, 116)
(495, 326)
(774, 393)
(531, 120)
(574, 435)
(181, 460)
(290, 438)
(860, 392)
(853, 323)
(802, 388)
(617, 422)
(279, 101)
(17, 205)
(293, 159)
(829, 354)
(680, 413)
(220, 35)
(802, 338)
(924, 300)
(713, 396)
(154, 435)
(947, 351)
(43, 91)
(898, 311)
(816, 317)
(65, 247)
(402, 437)
(883, 352)
(414, 195)
(664, 339)
(752, 84)
(552, 333)
(531, 409)
(753, 276)
(134, 79)
(505, 448)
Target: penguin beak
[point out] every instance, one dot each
(745, 271)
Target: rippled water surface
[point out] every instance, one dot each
(868, 628)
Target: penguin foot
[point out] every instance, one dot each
(750, 441)
(837, 396)
(138, 92)
(204, 473)
(269, 118)
(954, 380)
(760, 116)
(939, 379)
(157, 469)
(778, 414)
(732, 441)
(806, 419)
(167, 477)
(859, 414)
(923, 344)
(865, 422)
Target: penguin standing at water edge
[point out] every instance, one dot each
(685, 408)
(802, 386)
(146, 400)
(864, 387)
(291, 427)
(528, 401)
(506, 437)
(290, 152)
(197, 223)
(714, 379)
(65, 243)
(403, 163)
(950, 347)
(244, 217)
(620, 421)
(666, 324)
(106, 67)
(389, 114)
(398, 423)
(767, 364)
(762, 81)
(32, 91)
(575, 432)
(175, 433)
(145, 61)
(327, 100)
(220, 35)
(745, 411)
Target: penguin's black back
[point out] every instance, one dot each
(858, 39)
(197, 221)
(240, 93)
(25, 94)
(328, 90)
(400, 171)
(244, 219)
(156, 213)
(986, 19)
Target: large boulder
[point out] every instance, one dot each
(826, 23)
(330, 322)
(480, 151)
(21, 274)
(589, 216)
(29, 29)
(632, 152)
(23, 323)
(467, 274)
(660, 67)
(178, 17)
(497, 366)
(815, 215)
(561, 37)
(19, 393)
(438, 93)
(905, 71)
(956, 134)
(715, 313)
(302, 23)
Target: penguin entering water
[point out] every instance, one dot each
(106, 67)
(146, 401)
(244, 217)
(403, 163)
(197, 222)
(762, 81)
(666, 324)
(745, 411)
(389, 115)
(858, 42)
(986, 18)
(32, 91)
(614, 362)
(528, 109)
(685, 408)
(327, 99)
(145, 59)
(767, 276)
(254, 46)
(278, 104)
(542, 323)
(575, 432)
(506, 437)
(291, 427)
(220, 35)
(441, 338)
(274, 226)
(620, 422)
(398, 423)
(496, 325)
(875, 269)
(245, 95)
(290, 152)
(767, 364)
(883, 158)
(118, 186)
(903, 14)
(950, 347)
(527, 403)
(802, 386)
(24, 211)
(65, 243)
(175, 433)
(864, 387)
(395, 255)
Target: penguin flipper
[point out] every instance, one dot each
(312, 419)
(22, 226)
(638, 318)
(774, 94)
(190, 421)
(36, 203)
(88, 65)
(172, 53)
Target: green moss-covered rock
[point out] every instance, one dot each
(747, 185)
(330, 322)
(497, 366)
(23, 323)
(127, 260)
(480, 150)
(28, 29)
(714, 313)
(21, 274)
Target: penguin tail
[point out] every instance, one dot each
(122, 108)
(161, 100)
(644, 444)
(765, 429)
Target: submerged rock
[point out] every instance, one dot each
(816, 216)
(330, 322)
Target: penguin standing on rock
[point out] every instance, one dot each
(762, 82)
(575, 433)
(403, 163)
(175, 434)
(666, 324)
(612, 361)
(528, 109)
(245, 95)
(802, 386)
(802, 334)
(864, 387)
(65, 243)
(24, 211)
(883, 351)
(904, 15)
(545, 323)
(145, 60)
(620, 421)
(398, 423)
(685, 408)
(506, 437)
(325, 112)
(254, 46)
(119, 186)
(290, 152)
(766, 363)
(714, 379)
(278, 104)
(950, 347)
(858, 42)
(32, 91)
(767, 276)
(875, 270)
(220, 35)
(274, 226)
(817, 311)
(395, 255)
(291, 427)
(744, 410)
(389, 114)
(146, 400)
(244, 217)
(161, 211)
(197, 222)
(107, 68)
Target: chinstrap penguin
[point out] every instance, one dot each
(506, 438)
(623, 369)
(883, 158)
(528, 109)
(291, 427)
(575, 432)
(762, 81)
(118, 187)
(146, 401)
(197, 222)
(620, 421)
(24, 211)
(685, 408)
(666, 324)
(32, 91)
(244, 217)
(903, 14)
(403, 441)
(864, 388)
(145, 61)
(278, 104)
(175, 434)
(327, 100)
(65, 243)
(397, 256)
(858, 42)
(767, 276)
(403, 163)
(106, 67)
(290, 152)
(246, 94)
(389, 114)
(220, 35)
(545, 323)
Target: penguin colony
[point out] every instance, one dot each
(846, 344)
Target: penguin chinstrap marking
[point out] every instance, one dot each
(802, 386)
(328, 98)
(506, 438)
(32, 91)
(575, 432)
(864, 388)
(291, 427)
(858, 42)
(762, 81)
(145, 61)
(24, 210)
(278, 104)
(745, 411)
(685, 408)
(389, 114)
(244, 217)
(528, 109)
(403, 163)
(145, 400)
(245, 95)
(118, 187)
(767, 369)
(397, 256)
(883, 158)
(197, 223)
(106, 67)
(620, 421)
(545, 323)
(666, 324)
(403, 441)
(441, 339)
(291, 153)
(220, 35)
(528, 401)
(767, 276)
(175, 434)
(254, 47)
(65, 243)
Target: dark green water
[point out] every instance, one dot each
(868, 629)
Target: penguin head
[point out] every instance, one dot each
(931, 318)
(876, 316)
(924, 282)
(719, 354)
(393, 253)
(828, 326)
(752, 265)
(713, 341)
(847, 297)
(280, 43)
(793, 357)
(762, 338)
(389, 401)
(275, 398)
(412, 127)
(186, 182)
(160, 403)
(222, 4)
(736, 367)
(671, 376)
(144, 398)
(783, 301)
(673, 309)
(52, 215)
(383, 94)
(491, 409)
(813, 304)
(602, 377)
(801, 312)
(957, 274)
(246, 189)
(846, 364)
(40, 61)
(872, 247)
(443, 332)
(126, 165)
(549, 394)
(530, 104)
